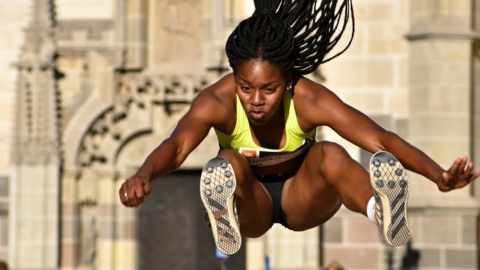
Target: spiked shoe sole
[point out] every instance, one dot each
(390, 187)
(217, 187)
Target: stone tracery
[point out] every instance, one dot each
(135, 94)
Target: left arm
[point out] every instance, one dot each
(357, 128)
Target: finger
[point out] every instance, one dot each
(468, 170)
(126, 197)
(139, 194)
(132, 200)
(130, 203)
(128, 194)
(441, 184)
(474, 176)
(455, 166)
(461, 167)
(137, 197)
(121, 193)
(147, 188)
(446, 178)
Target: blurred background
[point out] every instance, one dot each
(90, 87)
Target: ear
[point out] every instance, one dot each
(289, 80)
(234, 78)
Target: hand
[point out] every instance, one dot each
(457, 176)
(134, 189)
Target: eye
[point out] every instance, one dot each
(245, 88)
(270, 90)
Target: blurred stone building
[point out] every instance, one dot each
(90, 87)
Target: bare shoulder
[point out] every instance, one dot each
(311, 101)
(308, 91)
(221, 91)
(216, 103)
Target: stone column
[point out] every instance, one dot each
(105, 221)
(34, 217)
(476, 113)
(126, 240)
(441, 83)
(4, 205)
(214, 44)
(69, 219)
(476, 96)
(119, 33)
(34, 223)
(93, 197)
(136, 30)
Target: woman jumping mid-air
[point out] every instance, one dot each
(269, 169)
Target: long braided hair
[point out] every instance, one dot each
(292, 34)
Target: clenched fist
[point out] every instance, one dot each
(134, 189)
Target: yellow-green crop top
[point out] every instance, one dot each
(242, 136)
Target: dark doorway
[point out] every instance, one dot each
(172, 231)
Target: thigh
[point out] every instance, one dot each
(254, 205)
(315, 194)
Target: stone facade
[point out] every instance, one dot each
(11, 25)
(117, 77)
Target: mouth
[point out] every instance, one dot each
(257, 114)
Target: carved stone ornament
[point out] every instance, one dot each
(135, 95)
(37, 127)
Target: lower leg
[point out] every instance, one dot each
(254, 204)
(347, 176)
(327, 179)
(388, 181)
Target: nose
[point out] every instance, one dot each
(257, 98)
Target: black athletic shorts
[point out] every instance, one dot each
(274, 186)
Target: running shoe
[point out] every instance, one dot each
(390, 189)
(217, 187)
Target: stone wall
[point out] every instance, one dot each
(4, 222)
(412, 68)
(414, 77)
(12, 21)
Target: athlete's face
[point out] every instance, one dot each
(260, 86)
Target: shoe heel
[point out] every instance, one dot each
(391, 188)
(217, 187)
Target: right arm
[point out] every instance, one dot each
(172, 152)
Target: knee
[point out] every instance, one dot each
(332, 155)
(239, 164)
(232, 156)
(332, 150)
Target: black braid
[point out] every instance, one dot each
(293, 34)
